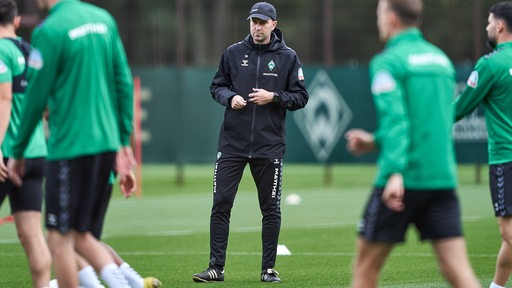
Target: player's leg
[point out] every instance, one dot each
(91, 182)
(267, 175)
(26, 203)
(454, 263)
(63, 254)
(379, 230)
(504, 259)
(370, 258)
(30, 233)
(131, 275)
(439, 221)
(87, 277)
(501, 195)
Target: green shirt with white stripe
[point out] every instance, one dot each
(413, 84)
(490, 83)
(78, 68)
(12, 64)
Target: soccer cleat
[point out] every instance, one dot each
(270, 275)
(152, 282)
(209, 275)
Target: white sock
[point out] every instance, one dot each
(87, 277)
(133, 278)
(112, 276)
(494, 285)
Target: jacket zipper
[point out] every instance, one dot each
(253, 121)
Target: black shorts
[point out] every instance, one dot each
(435, 213)
(501, 191)
(97, 226)
(28, 197)
(75, 191)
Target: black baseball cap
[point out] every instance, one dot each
(263, 10)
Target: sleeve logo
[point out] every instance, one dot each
(383, 82)
(300, 74)
(3, 67)
(473, 79)
(35, 59)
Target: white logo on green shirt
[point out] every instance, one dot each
(473, 79)
(3, 67)
(35, 59)
(383, 82)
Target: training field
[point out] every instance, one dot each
(164, 233)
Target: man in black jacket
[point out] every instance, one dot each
(258, 79)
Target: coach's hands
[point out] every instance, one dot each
(261, 96)
(238, 102)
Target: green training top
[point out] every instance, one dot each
(78, 68)
(413, 84)
(12, 64)
(491, 84)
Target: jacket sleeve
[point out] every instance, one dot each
(42, 74)
(221, 84)
(124, 89)
(295, 97)
(392, 137)
(477, 86)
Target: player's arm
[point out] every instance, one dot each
(392, 137)
(477, 86)
(42, 72)
(124, 88)
(5, 115)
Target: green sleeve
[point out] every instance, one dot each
(392, 136)
(42, 72)
(477, 86)
(124, 90)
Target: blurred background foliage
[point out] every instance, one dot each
(323, 32)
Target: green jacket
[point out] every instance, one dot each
(491, 84)
(78, 68)
(413, 84)
(12, 64)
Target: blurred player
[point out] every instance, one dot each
(25, 201)
(86, 275)
(491, 84)
(412, 85)
(78, 68)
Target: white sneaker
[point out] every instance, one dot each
(53, 283)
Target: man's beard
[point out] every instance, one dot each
(491, 42)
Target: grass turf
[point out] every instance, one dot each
(164, 233)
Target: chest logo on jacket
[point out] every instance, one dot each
(271, 65)
(245, 62)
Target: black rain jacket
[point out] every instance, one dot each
(258, 131)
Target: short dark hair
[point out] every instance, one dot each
(503, 11)
(409, 11)
(8, 11)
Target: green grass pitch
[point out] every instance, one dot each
(164, 233)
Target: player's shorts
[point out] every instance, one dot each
(75, 191)
(501, 189)
(28, 197)
(435, 213)
(97, 226)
